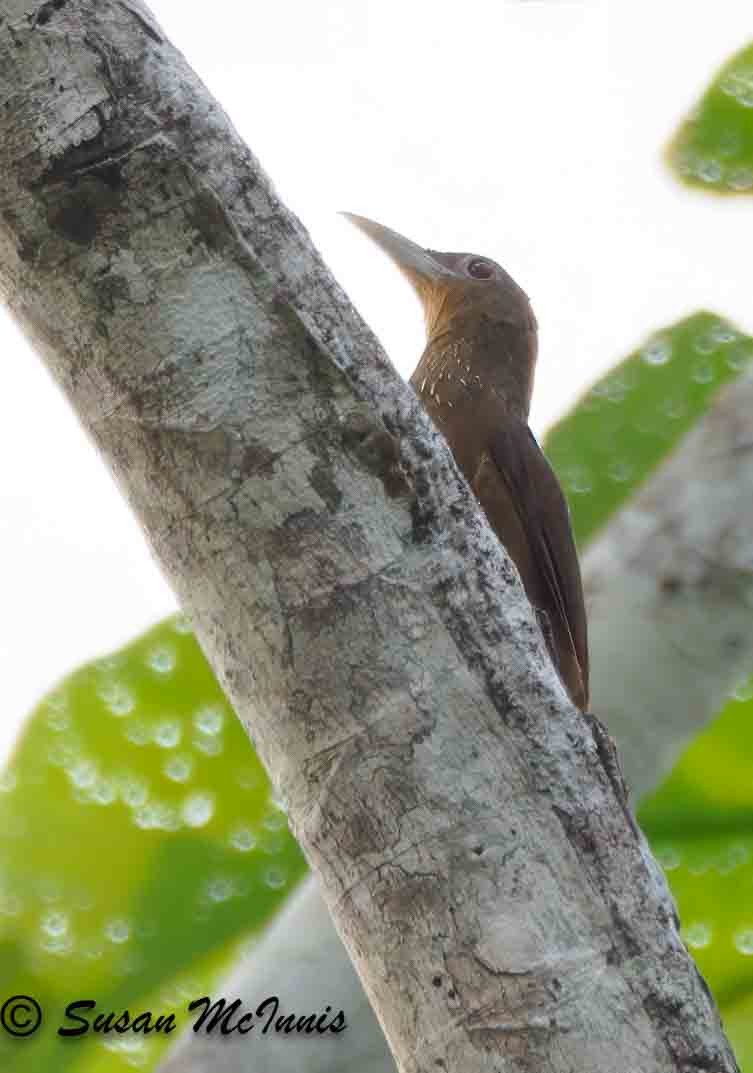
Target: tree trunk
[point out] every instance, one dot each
(668, 583)
(467, 825)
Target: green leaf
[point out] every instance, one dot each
(138, 840)
(632, 418)
(700, 825)
(713, 148)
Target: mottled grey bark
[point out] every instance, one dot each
(472, 840)
(669, 586)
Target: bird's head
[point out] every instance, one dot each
(453, 287)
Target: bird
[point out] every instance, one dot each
(475, 379)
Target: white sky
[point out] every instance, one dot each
(529, 131)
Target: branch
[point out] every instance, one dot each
(300, 959)
(475, 851)
(669, 587)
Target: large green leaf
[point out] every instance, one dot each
(630, 420)
(713, 148)
(138, 843)
(700, 824)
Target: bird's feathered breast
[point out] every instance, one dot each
(468, 375)
(478, 397)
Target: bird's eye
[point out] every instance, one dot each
(480, 269)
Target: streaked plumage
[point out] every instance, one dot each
(475, 379)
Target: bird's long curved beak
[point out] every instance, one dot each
(416, 263)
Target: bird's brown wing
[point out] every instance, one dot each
(525, 505)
